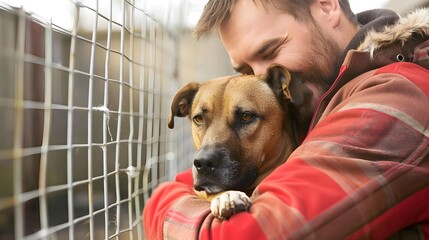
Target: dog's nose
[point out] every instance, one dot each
(207, 160)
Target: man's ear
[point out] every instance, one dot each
(330, 12)
(182, 102)
(280, 80)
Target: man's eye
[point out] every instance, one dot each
(198, 119)
(247, 117)
(271, 54)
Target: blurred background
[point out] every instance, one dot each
(399, 6)
(85, 88)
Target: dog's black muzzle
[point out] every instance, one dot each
(209, 160)
(217, 169)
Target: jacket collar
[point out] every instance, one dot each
(383, 38)
(371, 20)
(406, 40)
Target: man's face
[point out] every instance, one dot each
(255, 38)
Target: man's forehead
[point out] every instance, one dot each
(241, 23)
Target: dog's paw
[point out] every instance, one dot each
(229, 203)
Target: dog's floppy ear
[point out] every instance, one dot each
(280, 80)
(182, 102)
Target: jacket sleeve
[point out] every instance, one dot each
(362, 172)
(160, 206)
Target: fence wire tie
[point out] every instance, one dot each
(131, 171)
(106, 111)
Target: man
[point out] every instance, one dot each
(362, 170)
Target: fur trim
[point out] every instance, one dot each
(417, 22)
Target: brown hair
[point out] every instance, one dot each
(217, 11)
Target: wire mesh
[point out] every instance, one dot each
(83, 138)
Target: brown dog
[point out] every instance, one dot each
(243, 127)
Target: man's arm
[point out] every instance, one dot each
(362, 172)
(159, 208)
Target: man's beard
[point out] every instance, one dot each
(323, 66)
(318, 71)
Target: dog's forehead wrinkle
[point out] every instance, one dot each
(213, 89)
(201, 107)
(247, 85)
(250, 88)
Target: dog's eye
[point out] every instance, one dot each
(199, 119)
(247, 117)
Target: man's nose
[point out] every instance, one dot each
(260, 68)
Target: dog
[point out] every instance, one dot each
(243, 127)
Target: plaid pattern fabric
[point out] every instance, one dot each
(361, 173)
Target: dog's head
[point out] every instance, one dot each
(242, 127)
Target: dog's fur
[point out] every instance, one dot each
(243, 127)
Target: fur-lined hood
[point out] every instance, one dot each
(404, 40)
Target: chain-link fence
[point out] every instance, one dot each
(84, 99)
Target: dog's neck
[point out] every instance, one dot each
(301, 118)
(300, 131)
(286, 147)
(298, 128)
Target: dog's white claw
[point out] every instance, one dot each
(225, 201)
(228, 203)
(214, 206)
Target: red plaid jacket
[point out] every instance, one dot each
(362, 171)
